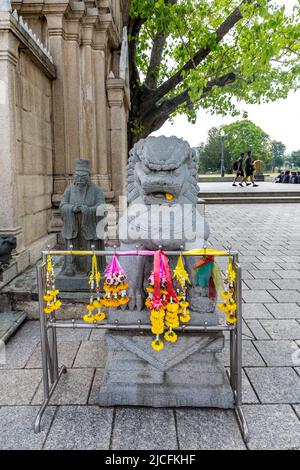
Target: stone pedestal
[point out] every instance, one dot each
(186, 373)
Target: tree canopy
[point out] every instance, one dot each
(278, 153)
(240, 136)
(295, 158)
(191, 54)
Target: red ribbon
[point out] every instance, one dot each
(156, 274)
(203, 261)
(170, 288)
(161, 256)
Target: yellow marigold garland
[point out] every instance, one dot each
(229, 306)
(51, 297)
(180, 274)
(95, 303)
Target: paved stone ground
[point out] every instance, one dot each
(263, 186)
(268, 239)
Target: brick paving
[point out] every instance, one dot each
(268, 239)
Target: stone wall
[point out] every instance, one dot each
(65, 96)
(84, 38)
(26, 176)
(34, 149)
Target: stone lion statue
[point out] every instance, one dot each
(162, 211)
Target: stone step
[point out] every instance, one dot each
(225, 199)
(247, 192)
(225, 179)
(10, 321)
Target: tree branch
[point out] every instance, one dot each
(134, 27)
(169, 106)
(159, 42)
(201, 54)
(155, 59)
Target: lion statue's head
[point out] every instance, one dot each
(160, 169)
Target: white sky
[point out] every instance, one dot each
(281, 119)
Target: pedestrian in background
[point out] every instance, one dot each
(249, 169)
(238, 168)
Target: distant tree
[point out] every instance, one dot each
(210, 153)
(245, 135)
(278, 153)
(295, 158)
(241, 136)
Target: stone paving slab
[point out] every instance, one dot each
(17, 387)
(278, 353)
(18, 352)
(284, 310)
(257, 329)
(250, 356)
(289, 274)
(97, 335)
(9, 323)
(254, 296)
(289, 265)
(260, 284)
(282, 329)
(94, 393)
(72, 334)
(248, 393)
(66, 353)
(285, 296)
(287, 284)
(73, 388)
(272, 427)
(252, 311)
(29, 331)
(264, 274)
(91, 354)
(246, 275)
(208, 429)
(297, 410)
(80, 428)
(248, 259)
(267, 266)
(246, 266)
(144, 429)
(246, 332)
(275, 384)
(16, 427)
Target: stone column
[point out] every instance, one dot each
(72, 82)
(10, 222)
(88, 116)
(102, 176)
(118, 100)
(54, 13)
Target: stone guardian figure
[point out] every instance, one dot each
(78, 211)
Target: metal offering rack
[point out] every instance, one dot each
(49, 324)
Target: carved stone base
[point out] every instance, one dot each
(183, 374)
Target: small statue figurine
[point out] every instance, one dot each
(78, 210)
(7, 244)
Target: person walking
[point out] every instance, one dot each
(238, 168)
(249, 169)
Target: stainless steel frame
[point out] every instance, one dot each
(48, 326)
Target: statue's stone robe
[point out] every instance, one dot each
(79, 229)
(85, 221)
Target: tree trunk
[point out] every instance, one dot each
(145, 117)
